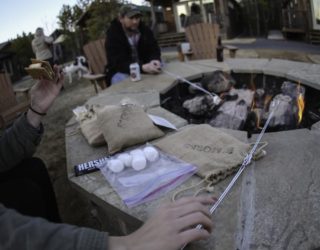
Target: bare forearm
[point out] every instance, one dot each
(33, 119)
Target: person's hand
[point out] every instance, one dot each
(42, 96)
(171, 227)
(156, 64)
(44, 92)
(153, 67)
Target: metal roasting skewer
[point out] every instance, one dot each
(216, 99)
(246, 162)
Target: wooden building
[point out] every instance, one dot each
(301, 18)
(6, 58)
(225, 12)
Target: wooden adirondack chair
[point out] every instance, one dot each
(10, 108)
(203, 39)
(96, 55)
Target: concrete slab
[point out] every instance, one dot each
(144, 98)
(246, 53)
(278, 67)
(242, 65)
(209, 65)
(283, 210)
(309, 76)
(274, 204)
(314, 58)
(275, 35)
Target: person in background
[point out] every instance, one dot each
(129, 41)
(195, 16)
(41, 46)
(29, 216)
(182, 20)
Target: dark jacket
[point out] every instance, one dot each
(23, 232)
(118, 49)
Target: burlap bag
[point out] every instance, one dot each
(126, 125)
(216, 153)
(91, 130)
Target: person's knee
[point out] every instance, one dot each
(118, 77)
(34, 163)
(35, 169)
(23, 195)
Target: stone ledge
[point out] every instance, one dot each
(275, 203)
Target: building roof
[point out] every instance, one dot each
(4, 45)
(3, 53)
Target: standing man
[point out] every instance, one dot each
(41, 46)
(129, 41)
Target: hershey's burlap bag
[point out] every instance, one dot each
(126, 125)
(216, 153)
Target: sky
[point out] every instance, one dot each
(18, 16)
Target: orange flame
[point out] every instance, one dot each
(300, 104)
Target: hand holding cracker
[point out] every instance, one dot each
(40, 70)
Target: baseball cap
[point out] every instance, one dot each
(129, 10)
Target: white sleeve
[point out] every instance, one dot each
(48, 39)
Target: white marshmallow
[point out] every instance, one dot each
(216, 100)
(151, 153)
(115, 165)
(126, 159)
(136, 152)
(139, 162)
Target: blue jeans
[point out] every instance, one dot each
(118, 77)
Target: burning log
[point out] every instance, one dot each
(217, 82)
(291, 106)
(283, 115)
(199, 105)
(233, 114)
(235, 119)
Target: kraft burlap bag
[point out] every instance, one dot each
(91, 130)
(89, 126)
(216, 153)
(126, 125)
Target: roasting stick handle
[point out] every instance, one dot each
(245, 163)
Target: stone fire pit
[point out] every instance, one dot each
(276, 202)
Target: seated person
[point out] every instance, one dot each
(129, 41)
(195, 16)
(29, 216)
